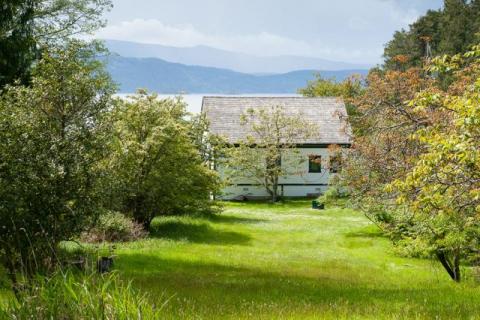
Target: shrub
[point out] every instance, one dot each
(114, 227)
(70, 297)
(155, 166)
(333, 195)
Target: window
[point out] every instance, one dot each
(335, 163)
(314, 164)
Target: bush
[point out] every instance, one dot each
(114, 227)
(155, 165)
(333, 195)
(70, 297)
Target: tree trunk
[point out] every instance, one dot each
(456, 264)
(452, 268)
(275, 190)
(146, 224)
(274, 195)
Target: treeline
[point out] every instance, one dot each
(450, 30)
(414, 166)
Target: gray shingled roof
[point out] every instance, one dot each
(224, 115)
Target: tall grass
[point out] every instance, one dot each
(69, 296)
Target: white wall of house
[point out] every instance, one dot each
(298, 184)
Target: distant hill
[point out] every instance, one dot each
(165, 77)
(211, 57)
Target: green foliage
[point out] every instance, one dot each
(114, 227)
(443, 187)
(52, 137)
(320, 87)
(450, 30)
(58, 20)
(66, 296)
(348, 89)
(331, 196)
(17, 45)
(28, 27)
(155, 167)
(414, 171)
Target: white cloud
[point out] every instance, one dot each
(263, 43)
(156, 32)
(347, 30)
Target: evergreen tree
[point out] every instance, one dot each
(450, 30)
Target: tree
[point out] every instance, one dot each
(451, 30)
(412, 43)
(28, 27)
(269, 152)
(442, 190)
(347, 89)
(17, 44)
(380, 153)
(58, 20)
(413, 169)
(52, 138)
(156, 166)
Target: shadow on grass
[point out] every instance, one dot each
(213, 283)
(196, 232)
(220, 218)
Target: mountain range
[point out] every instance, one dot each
(173, 70)
(217, 58)
(167, 77)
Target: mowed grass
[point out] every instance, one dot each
(287, 261)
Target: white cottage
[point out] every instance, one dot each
(329, 115)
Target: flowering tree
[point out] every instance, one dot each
(269, 152)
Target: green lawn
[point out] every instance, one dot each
(287, 261)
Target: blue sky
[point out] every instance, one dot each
(342, 30)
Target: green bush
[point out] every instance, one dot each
(333, 195)
(114, 227)
(74, 297)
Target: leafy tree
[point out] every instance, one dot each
(58, 20)
(27, 27)
(442, 190)
(17, 44)
(155, 164)
(380, 152)
(422, 190)
(347, 89)
(321, 87)
(52, 137)
(269, 152)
